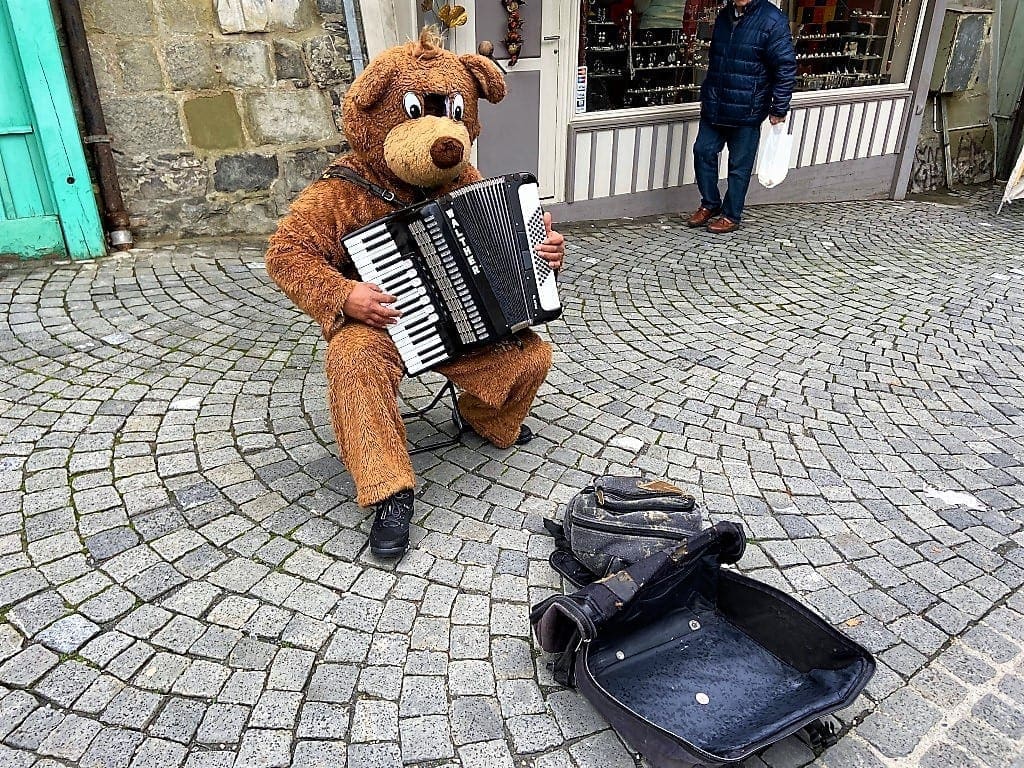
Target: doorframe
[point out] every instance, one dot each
(56, 125)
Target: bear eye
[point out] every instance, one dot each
(413, 105)
(456, 107)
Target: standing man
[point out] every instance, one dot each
(751, 73)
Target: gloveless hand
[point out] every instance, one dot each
(368, 304)
(552, 249)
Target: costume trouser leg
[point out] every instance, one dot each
(363, 374)
(498, 386)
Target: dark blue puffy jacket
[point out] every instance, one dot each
(752, 66)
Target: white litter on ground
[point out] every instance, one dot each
(186, 404)
(627, 443)
(954, 498)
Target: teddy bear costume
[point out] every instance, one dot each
(410, 119)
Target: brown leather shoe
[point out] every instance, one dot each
(700, 217)
(722, 225)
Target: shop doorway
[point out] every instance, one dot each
(527, 130)
(47, 206)
(522, 133)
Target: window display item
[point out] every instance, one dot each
(654, 52)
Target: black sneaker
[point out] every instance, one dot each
(389, 536)
(525, 433)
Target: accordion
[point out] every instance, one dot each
(462, 268)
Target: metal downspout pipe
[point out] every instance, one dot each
(115, 215)
(355, 39)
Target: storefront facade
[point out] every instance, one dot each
(618, 87)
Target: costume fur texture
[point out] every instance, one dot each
(410, 119)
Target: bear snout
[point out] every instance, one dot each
(446, 152)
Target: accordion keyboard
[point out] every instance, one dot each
(462, 267)
(417, 335)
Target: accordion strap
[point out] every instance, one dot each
(341, 172)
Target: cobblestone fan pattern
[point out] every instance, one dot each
(183, 574)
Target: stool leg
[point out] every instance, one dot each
(449, 390)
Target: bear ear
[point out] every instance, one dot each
(369, 88)
(489, 80)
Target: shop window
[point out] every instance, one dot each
(647, 53)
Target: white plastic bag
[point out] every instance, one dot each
(773, 156)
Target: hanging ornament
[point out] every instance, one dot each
(513, 41)
(448, 16)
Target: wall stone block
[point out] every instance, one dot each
(304, 166)
(331, 6)
(235, 173)
(242, 15)
(164, 177)
(119, 17)
(213, 122)
(292, 15)
(288, 117)
(190, 65)
(327, 61)
(140, 70)
(103, 51)
(186, 16)
(143, 124)
(245, 63)
(289, 64)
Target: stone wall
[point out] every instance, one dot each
(220, 111)
(971, 152)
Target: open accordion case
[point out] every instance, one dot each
(695, 664)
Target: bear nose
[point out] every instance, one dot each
(446, 152)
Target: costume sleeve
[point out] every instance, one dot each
(782, 64)
(302, 253)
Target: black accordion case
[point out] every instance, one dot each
(696, 665)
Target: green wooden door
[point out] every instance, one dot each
(47, 205)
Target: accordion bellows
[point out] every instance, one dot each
(462, 267)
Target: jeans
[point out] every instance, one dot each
(742, 141)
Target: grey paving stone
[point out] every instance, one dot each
(603, 749)
(157, 753)
(68, 634)
(265, 749)
(319, 754)
(131, 708)
(179, 720)
(35, 728)
(423, 695)
(276, 709)
(332, 683)
(374, 756)
(65, 683)
(475, 719)
(222, 724)
(112, 748)
(14, 708)
(26, 667)
(425, 738)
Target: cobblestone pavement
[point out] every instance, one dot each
(183, 578)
